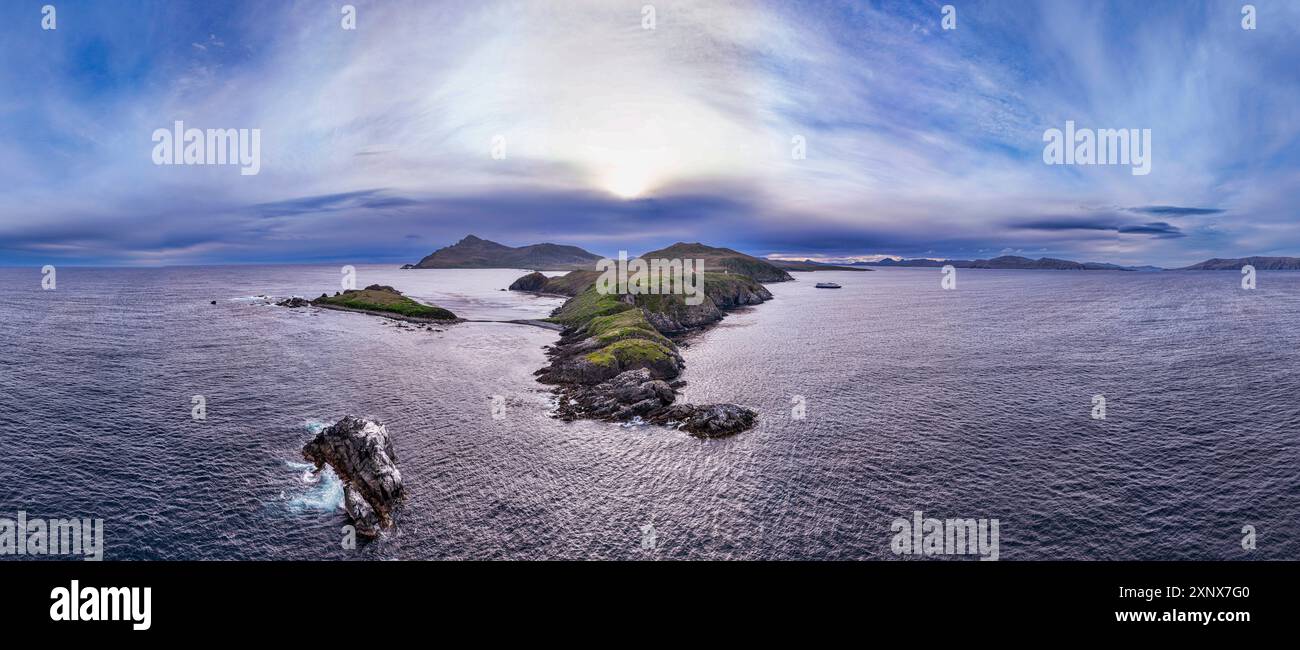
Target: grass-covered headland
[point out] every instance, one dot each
(615, 360)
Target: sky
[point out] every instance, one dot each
(599, 124)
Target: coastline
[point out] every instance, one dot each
(618, 357)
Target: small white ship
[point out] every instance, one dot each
(827, 285)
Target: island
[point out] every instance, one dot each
(475, 253)
(379, 300)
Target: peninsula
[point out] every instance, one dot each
(615, 359)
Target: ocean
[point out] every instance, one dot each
(877, 400)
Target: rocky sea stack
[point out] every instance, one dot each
(362, 455)
(534, 282)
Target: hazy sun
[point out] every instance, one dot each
(627, 181)
(630, 161)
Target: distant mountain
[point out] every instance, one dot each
(810, 265)
(720, 260)
(1012, 262)
(1260, 263)
(474, 253)
(1103, 266)
(1016, 262)
(920, 262)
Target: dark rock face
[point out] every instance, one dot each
(292, 302)
(534, 281)
(630, 394)
(638, 394)
(362, 455)
(676, 316)
(707, 421)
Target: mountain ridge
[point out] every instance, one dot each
(1260, 263)
(1013, 262)
(473, 252)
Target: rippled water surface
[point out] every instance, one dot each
(967, 403)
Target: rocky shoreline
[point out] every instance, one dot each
(615, 360)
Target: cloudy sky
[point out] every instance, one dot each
(377, 143)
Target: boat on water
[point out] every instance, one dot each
(827, 285)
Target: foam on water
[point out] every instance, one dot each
(319, 492)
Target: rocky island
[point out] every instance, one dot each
(362, 455)
(379, 300)
(615, 359)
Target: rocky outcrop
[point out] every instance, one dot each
(614, 361)
(363, 457)
(590, 354)
(630, 394)
(639, 394)
(293, 302)
(707, 421)
(673, 315)
(535, 282)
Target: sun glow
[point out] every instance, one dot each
(630, 162)
(628, 181)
